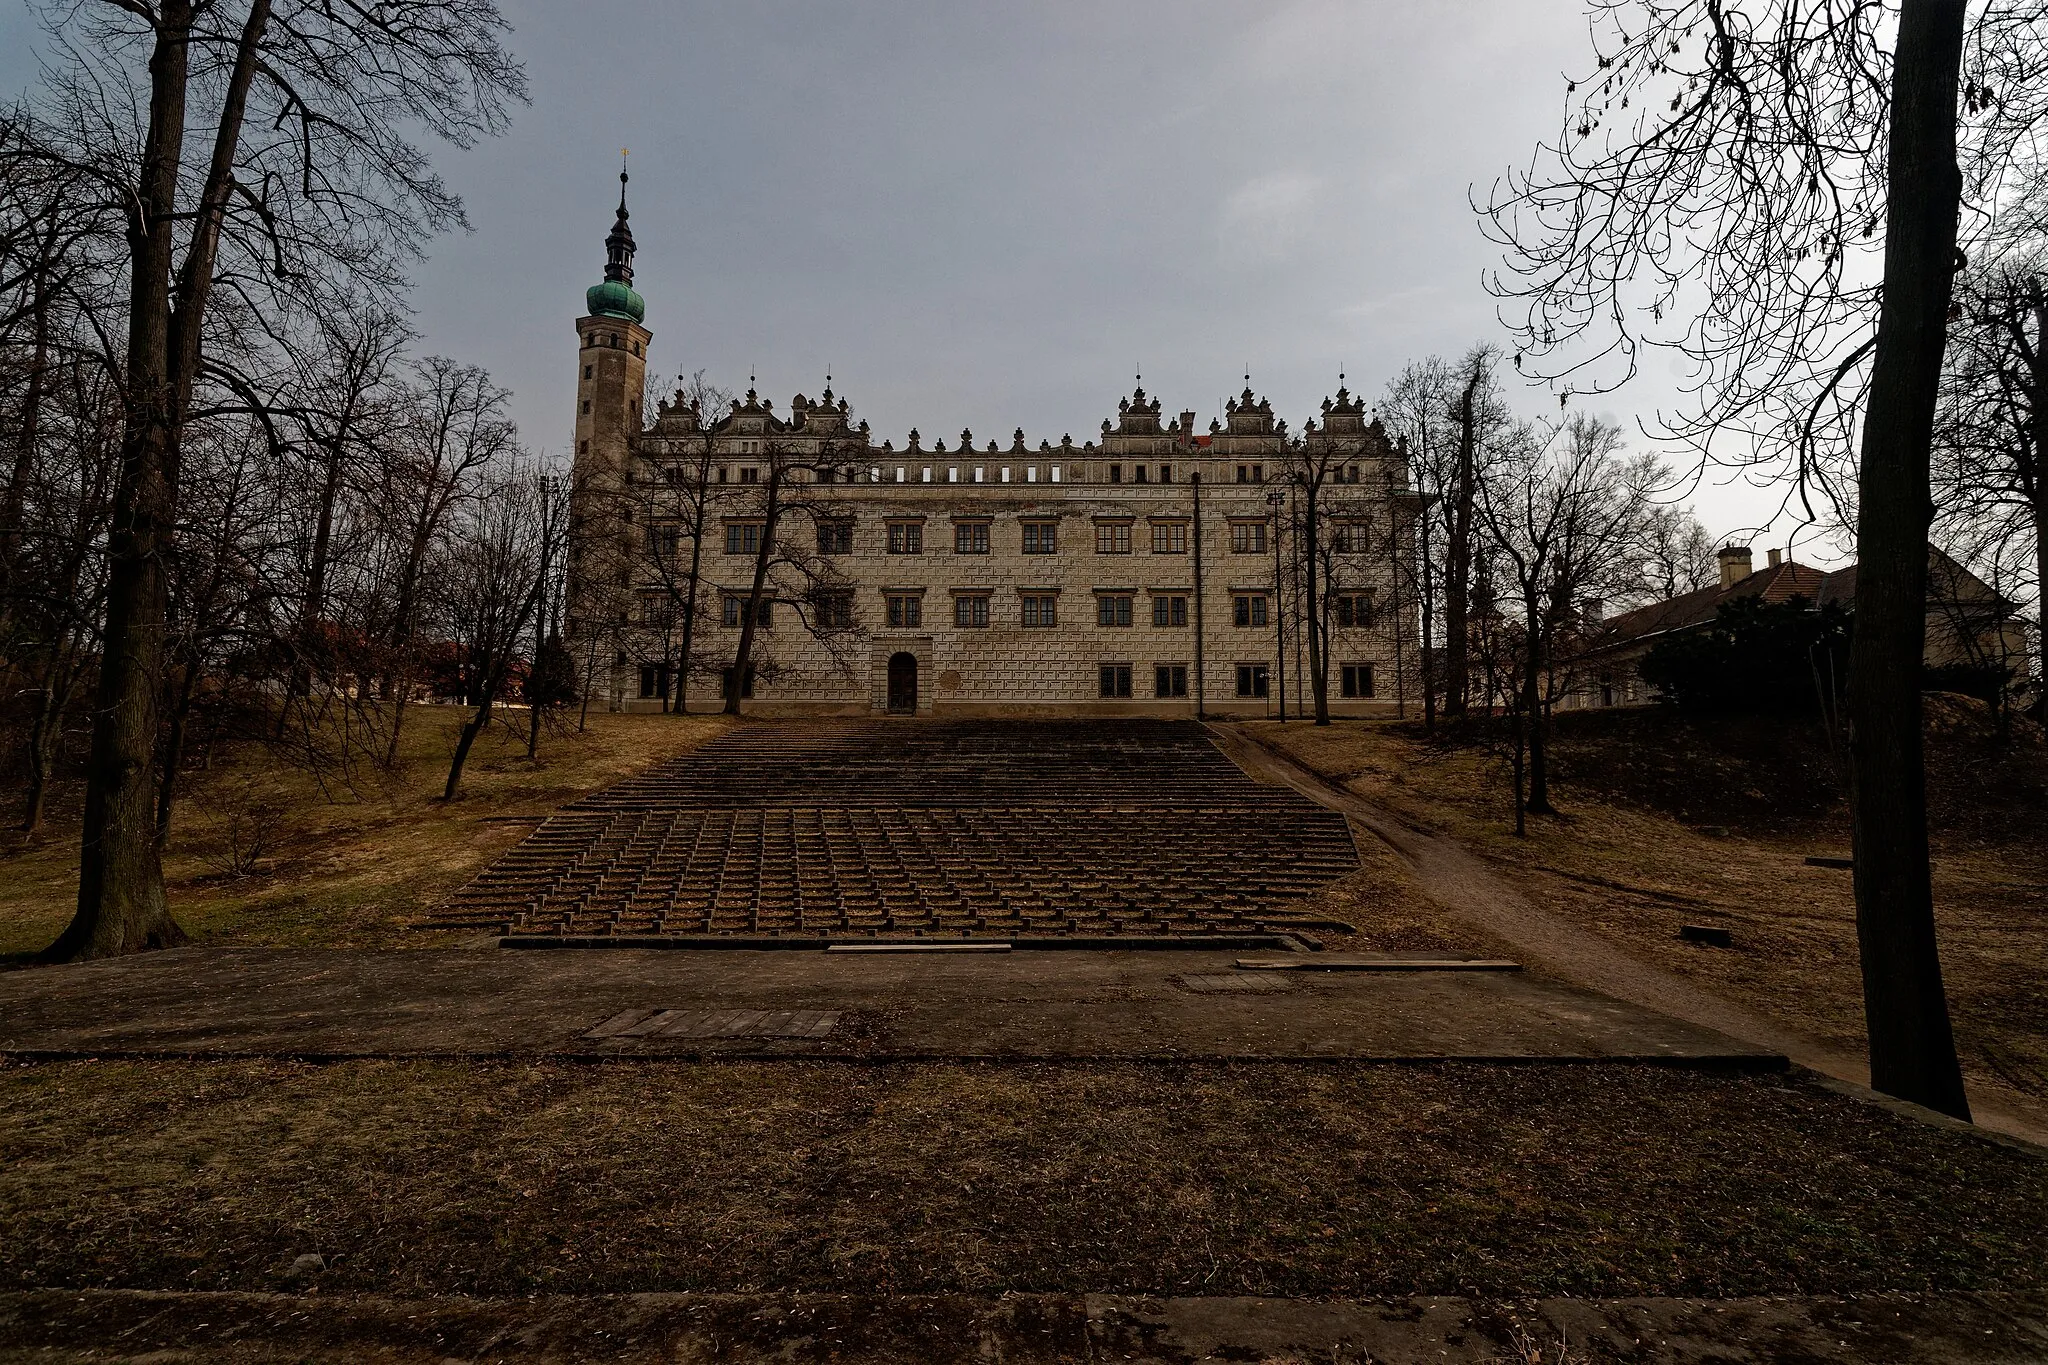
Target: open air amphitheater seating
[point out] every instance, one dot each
(891, 827)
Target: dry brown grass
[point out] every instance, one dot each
(341, 866)
(1342, 1180)
(1618, 860)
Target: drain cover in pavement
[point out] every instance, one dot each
(656, 1023)
(1231, 984)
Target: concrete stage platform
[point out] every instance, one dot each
(1113, 1004)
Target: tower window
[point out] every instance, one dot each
(636, 348)
(586, 371)
(586, 407)
(583, 448)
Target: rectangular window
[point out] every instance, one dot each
(743, 537)
(970, 611)
(1112, 609)
(725, 681)
(1116, 680)
(835, 537)
(1169, 538)
(662, 541)
(654, 680)
(1116, 475)
(1354, 610)
(906, 538)
(906, 611)
(1041, 609)
(1140, 469)
(970, 538)
(654, 610)
(1169, 609)
(1113, 538)
(1357, 680)
(749, 474)
(736, 610)
(1170, 680)
(1251, 680)
(1041, 537)
(834, 610)
(1248, 537)
(1166, 473)
(1248, 609)
(1348, 538)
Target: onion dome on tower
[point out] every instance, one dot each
(616, 298)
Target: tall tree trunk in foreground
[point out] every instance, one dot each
(1912, 1050)
(743, 656)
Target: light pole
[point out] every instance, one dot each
(1276, 500)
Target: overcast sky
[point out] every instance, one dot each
(996, 215)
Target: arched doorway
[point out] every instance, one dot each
(903, 683)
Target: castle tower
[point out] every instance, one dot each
(611, 371)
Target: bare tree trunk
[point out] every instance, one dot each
(1912, 1048)
(1318, 672)
(2037, 501)
(1458, 550)
(1538, 801)
(745, 653)
(121, 904)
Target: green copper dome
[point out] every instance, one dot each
(615, 299)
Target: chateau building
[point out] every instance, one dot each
(1156, 570)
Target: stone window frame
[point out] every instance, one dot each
(1127, 610)
(736, 539)
(732, 611)
(1118, 531)
(1163, 600)
(906, 535)
(1251, 609)
(1113, 680)
(1349, 615)
(1254, 680)
(1048, 533)
(900, 604)
(1248, 535)
(1176, 677)
(965, 542)
(1351, 537)
(1049, 608)
(967, 597)
(835, 535)
(1352, 686)
(1164, 539)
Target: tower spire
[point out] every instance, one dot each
(615, 297)
(618, 247)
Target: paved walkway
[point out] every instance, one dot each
(1179, 1005)
(1469, 889)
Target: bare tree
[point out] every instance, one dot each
(454, 431)
(1454, 423)
(1991, 434)
(674, 504)
(497, 573)
(1730, 209)
(303, 109)
(1565, 518)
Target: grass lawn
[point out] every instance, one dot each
(344, 865)
(1340, 1180)
(1663, 823)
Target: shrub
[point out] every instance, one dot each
(1757, 657)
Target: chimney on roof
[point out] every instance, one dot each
(1735, 562)
(1776, 558)
(1594, 609)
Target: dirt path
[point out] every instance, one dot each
(1466, 886)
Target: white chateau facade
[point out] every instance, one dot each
(1155, 571)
